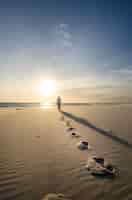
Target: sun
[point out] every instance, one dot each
(48, 88)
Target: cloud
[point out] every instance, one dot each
(123, 71)
(63, 25)
(123, 75)
(67, 43)
(64, 36)
(67, 35)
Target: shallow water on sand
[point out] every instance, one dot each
(38, 156)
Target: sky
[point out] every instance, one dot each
(84, 45)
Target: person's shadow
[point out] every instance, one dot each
(97, 129)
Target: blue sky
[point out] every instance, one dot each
(81, 44)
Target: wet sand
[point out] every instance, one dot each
(39, 156)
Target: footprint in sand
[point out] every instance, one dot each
(70, 129)
(37, 136)
(54, 196)
(75, 135)
(100, 168)
(83, 145)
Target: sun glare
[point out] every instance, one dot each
(48, 88)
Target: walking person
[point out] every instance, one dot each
(59, 103)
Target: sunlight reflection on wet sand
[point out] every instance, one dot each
(46, 105)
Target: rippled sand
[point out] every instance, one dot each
(39, 156)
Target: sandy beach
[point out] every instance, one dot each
(39, 156)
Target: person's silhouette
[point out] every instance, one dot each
(59, 103)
